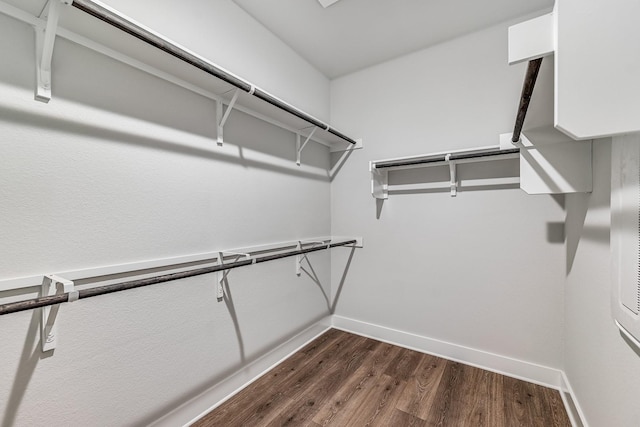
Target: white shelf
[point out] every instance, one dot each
(80, 28)
(380, 168)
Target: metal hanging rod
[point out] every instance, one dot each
(157, 41)
(30, 304)
(441, 158)
(525, 97)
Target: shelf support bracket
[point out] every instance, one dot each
(302, 257)
(221, 276)
(45, 39)
(300, 147)
(379, 182)
(51, 285)
(453, 175)
(221, 118)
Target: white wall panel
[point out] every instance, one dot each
(483, 269)
(122, 167)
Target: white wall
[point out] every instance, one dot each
(122, 167)
(602, 367)
(221, 31)
(483, 270)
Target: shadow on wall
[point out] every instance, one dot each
(578, 205)
(555, 232)
(343, 279)
(31, 355)
(34, 119)
(337, 160)
(133, 93)
(198, 390)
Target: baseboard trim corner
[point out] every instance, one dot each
(574, 411)
(527, 371)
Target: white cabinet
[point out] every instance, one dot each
(597, 67)
(596, 45)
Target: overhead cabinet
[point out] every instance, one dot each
(596, 64)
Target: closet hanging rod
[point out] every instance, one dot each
(33, 303)
(441, 158)
(122, 23)
(527, 90)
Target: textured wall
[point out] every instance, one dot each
(600, 364)
(484, 269)
(122, 167)
(222, 31)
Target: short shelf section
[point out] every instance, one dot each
(380, 168)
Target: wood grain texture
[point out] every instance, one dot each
(342, 379)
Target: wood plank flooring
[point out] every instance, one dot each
(342, 379)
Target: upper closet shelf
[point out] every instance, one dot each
(105, 30)
(550, 163)
(380, 168)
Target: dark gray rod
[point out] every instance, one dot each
(30, 304)
(443, 157)
(525, 97)
(119, 22)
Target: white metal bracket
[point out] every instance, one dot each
(350, 147)
(300, 147)
(48, 328)
(453, 175)
(302, 257)
(379, 182)
(221, 118)
(222, 274)
(45, 39)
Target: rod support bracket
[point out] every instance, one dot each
(302, 257)
(300, 146)
(221, 118)
(379, 182)
(221, 276)
(453, 175)
(45, 39)
(51, 285)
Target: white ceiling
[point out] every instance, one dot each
(353, 34)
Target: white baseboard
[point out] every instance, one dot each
(542, 375)
(197, 407)
(526, 371)
(576, 415)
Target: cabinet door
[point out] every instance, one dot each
(597, 67)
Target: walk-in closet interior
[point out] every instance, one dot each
(319, 213)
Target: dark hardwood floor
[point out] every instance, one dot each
(342, 379)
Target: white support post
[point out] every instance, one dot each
(452, 173)
(221, 118)
(45, 39)
(299, 147)
(48, 328)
